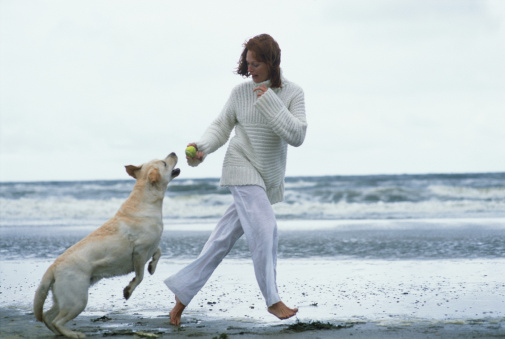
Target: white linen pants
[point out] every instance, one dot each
(251, 214)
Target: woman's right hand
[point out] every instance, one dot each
(197, 159)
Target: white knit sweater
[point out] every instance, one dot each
(264, 127)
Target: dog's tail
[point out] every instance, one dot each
(41, 293)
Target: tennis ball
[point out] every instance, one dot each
(191, 151)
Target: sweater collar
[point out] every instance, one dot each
(268, 83)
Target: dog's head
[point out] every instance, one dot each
(156, 172)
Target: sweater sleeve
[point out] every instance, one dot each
(218, 133)
(289, 123)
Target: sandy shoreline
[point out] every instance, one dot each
(360, 298)
(17, 324)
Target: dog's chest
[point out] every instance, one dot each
(146, 236)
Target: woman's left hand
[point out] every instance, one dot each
(260, 90)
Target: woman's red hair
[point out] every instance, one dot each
(266, 50)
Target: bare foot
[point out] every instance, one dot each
(281, 311)
(176, 312)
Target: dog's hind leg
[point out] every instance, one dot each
(62, 319)
(49, 316)
(152, 265)
(72, 298)
(138, 266)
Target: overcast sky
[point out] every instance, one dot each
(397, 86)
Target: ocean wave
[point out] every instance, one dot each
(393, 210)
(180, 207)
(205, 207)
(322, 198)
(458, 192)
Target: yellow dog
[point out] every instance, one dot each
(122, 245)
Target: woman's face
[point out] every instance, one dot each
(257, 69)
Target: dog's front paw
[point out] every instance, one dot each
(151, 268)
(127, 292)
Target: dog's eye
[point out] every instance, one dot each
(164, 163)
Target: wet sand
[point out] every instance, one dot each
(16, 324)
(355, 298)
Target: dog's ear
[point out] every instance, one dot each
(154, 175)
(132, 170)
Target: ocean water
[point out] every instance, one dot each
(392, 217)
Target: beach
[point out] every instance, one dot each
(359, 299)
(398, 256)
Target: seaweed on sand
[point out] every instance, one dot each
(103, 319)
(314, 325)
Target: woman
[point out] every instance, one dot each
(267, 113)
